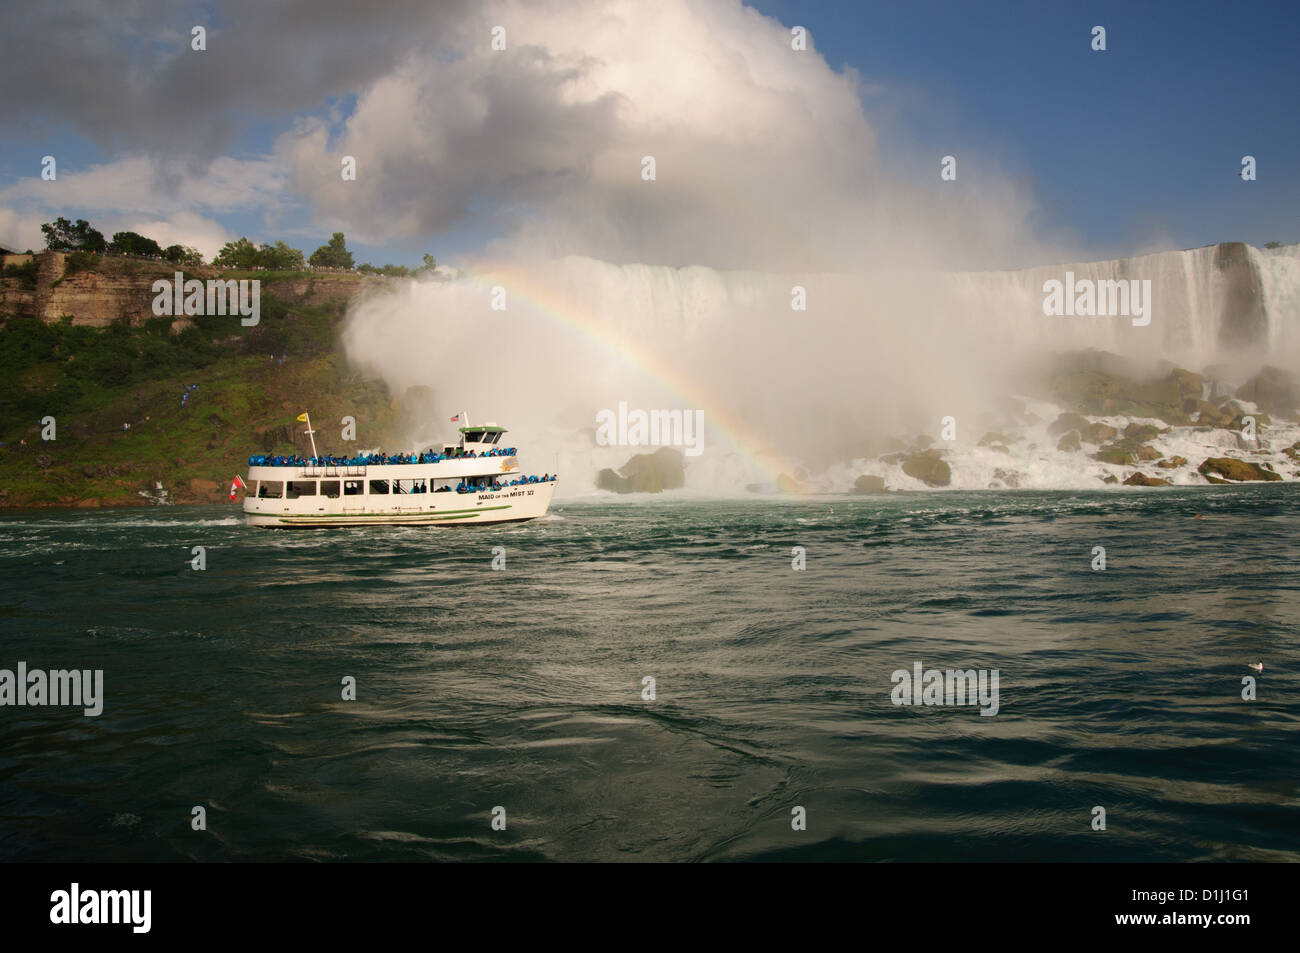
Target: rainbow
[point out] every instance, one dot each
(575, 318)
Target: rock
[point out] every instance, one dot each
(665, 469)
(923, 442)
(1172, 463)
(1232, 470)
(1008, 478)
(1141, 433)
(44, 461)
(1273, 390)
(1145, 453)
(928, 467)
(869, 483)
(1070, 442)
(88, 471)
(1239, 422)
(1208, 415)
(1097, 433)
(1141, 479)
(1116, 454)
(788, 484)
(1110, 478)
(1066, 422)
(1098, 383)
(994, 437)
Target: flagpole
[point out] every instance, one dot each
(310, 433)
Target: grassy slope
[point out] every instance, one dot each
(95, 379)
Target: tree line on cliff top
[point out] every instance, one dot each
(242, 254)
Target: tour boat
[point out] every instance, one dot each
(475, 480)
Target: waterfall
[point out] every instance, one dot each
(869, 354)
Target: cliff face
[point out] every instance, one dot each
(135, 410)
(122, 288)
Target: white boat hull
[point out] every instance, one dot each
(511, 504)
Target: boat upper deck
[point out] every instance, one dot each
(376, 459)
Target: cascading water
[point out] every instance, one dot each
(783, 386)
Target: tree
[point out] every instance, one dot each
(280, 257)
(241, 254)
(1273, 245)
(131, 243)
(429, 265)
(388, 271)
(182, 255)
(332, 255)
(62, 235)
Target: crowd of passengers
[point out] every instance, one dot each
(374, 459)
(482, 486)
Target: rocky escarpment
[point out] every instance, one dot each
(99, 290)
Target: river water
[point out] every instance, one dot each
(524, 687)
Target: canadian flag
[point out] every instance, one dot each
(237, 485)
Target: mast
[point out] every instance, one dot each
(306, 416)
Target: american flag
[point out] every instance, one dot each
(456, 418)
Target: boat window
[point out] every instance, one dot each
(270, 489)
(330, 489)
(492, 438)
(474, 436)
(379, 486)
(299, 488)
(351, 487)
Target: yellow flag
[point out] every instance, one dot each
(302, 417)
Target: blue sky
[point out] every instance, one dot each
(1132, 145)
(1128, 150)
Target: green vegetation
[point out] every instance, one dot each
(79, 261)
(252, 383)
(182, 255)
(239, 255)
(334, 254)
(244, 255)
(27, 273)
(62, 235)
(398, 271)
(132, 243)
(388, 271)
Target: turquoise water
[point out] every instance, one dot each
(522, 687)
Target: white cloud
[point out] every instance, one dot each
(764, 155)
(184, 228)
